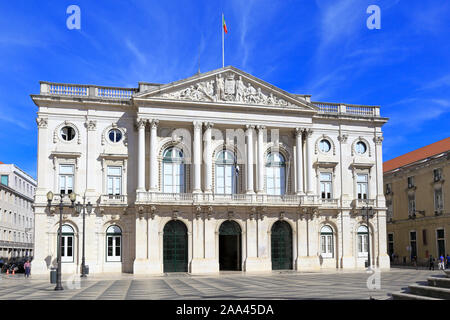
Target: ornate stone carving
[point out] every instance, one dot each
(175, 214)
(198, 212)
(343, 138)
(282, 214)
(154, 123)
(91, 125)
(42, 123)
(378, 140)
(230, 215)
(224, 88)
(152, 212)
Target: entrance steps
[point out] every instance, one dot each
(436, 288)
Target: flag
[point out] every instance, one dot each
(224, 24)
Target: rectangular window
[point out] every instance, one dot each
(325, 185)
(4, 179)
(388, 188)
(391, 244)
(413, 244)
(389, 212)
(66, 176)
(114, 180)
(437, 174)
(113, 248)
(440, 236)
(362, 186)
(438, 203)
(411, 205)
(410, 182)
(424, 237)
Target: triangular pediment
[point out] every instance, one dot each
(226, 85)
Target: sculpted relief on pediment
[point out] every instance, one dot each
(227, 88)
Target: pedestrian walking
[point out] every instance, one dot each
(447, 261)
(27, 267)
(441, 262)
(431, 263)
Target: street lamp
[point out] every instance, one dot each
(369, 214)
(72, 197)
(78, 208)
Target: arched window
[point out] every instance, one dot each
(67, 243)
(113, 244)
(275, 174)
(363, 236)
(226, 173)
(326, 242)
(173, 171)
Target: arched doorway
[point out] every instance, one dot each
(281, 246)
(175, 247)
(230, 246)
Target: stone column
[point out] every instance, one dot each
(153, 155)
(345, 239)
(91, 163)
(197, 157)
(249, 134)
(207, 156)
(44, 164)
(309, 168)
(260, 188)
(140, 264)
(381, 202)
(299, 156)
(141, 155)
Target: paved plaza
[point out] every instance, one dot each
(226, 286)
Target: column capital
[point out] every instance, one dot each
(154, 123)
(260, 127)
(308, 132)
(249, 128)
(140, 123)
(298, 132)
(208, 125)
(378, 140)
(42, 122)
(197, 125)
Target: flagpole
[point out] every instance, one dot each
(223, 46)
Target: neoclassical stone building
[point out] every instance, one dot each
(219, 171)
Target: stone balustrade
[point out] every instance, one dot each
(350, 109)
(64, 89)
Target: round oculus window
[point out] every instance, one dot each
(361, 147)
(324, 145)
(67, 133)
(115, 135)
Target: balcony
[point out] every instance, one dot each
(224, 199)
(15, 244)
(329, 203)
(360, 203)
(113, 199)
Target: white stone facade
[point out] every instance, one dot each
(225, 109)
(16, 212)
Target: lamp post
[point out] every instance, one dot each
(78, 208)
(368, 215)
(72, 197)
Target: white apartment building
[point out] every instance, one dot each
(219, 171)
(16, 212)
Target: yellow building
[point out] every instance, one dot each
(418, 202)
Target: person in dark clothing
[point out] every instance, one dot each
(431, 263)
(447, 261)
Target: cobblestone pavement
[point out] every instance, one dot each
(276, 285)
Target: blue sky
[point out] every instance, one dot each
(320, 47)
